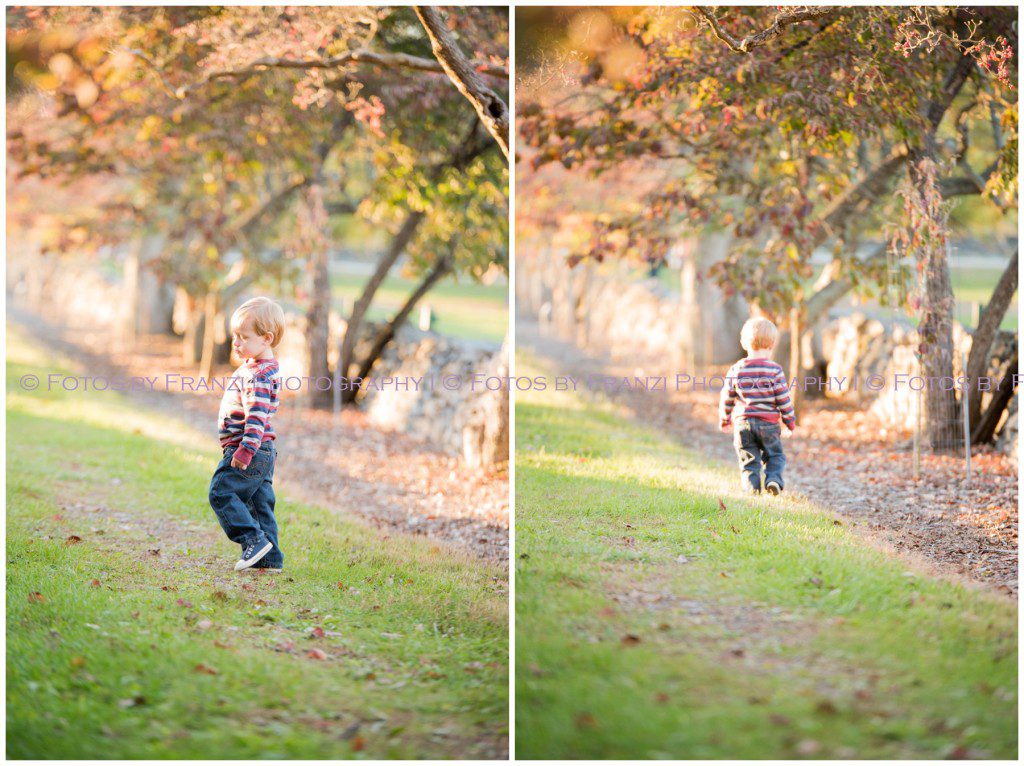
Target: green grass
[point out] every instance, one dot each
(461, 309)
(653, 623)
(130, 655)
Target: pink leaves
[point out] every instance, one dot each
(369, 112)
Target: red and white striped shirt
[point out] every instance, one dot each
(247, 406)
(756, 388)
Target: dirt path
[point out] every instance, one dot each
(344, 463)
(846, 463)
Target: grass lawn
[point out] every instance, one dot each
(662, 614)
(129, 637)
(461, 309)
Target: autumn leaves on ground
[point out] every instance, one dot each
(662, 614)
(129, 636)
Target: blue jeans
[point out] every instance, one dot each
(758, 441)
(244, 501)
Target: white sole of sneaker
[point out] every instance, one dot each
(240, 564)
(773, 489)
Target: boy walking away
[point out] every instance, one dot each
(755, 401)
(242, 490)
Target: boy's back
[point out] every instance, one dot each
(756, 387)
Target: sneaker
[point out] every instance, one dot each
(253, 553)
(773, 488)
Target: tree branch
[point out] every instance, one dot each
(491, 108)
(271, 207)
(870, 189)
(360, 56)
(748, 43)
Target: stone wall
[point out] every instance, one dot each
(606, 308)
(468, 420)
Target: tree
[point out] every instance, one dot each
(787, 137)
(204, 119)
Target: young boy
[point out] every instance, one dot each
(242, 490)
(754, 399)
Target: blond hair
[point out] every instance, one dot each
(267, 317)
(758, 334)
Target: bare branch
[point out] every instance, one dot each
(783, 20)
(491, 108)
(360, 56)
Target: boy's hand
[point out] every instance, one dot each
(725, 426)
(236, 463)
(787, 433)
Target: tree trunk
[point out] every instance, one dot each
(985, 334)
(794, 352)
(318, 328)
(195, 326)
(461, 156)
(945, 427)
(441, 269)
(211, 309)
(362, 304)
(985, 429)
(130, 317)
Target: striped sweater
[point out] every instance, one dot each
(249, 402)
(756, 388)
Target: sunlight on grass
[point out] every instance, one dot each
(130, 637)
(652, 595)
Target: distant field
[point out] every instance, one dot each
(461, 309)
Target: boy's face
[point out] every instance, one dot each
(246, 343)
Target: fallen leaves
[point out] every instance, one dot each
(36, 597)
(808, 747)
(630, 639)
(73, 540)
(95, 583)
(316, 654)
(316, 632)
(204, 624)
(205, 669)
(585, 721)
(183, 603)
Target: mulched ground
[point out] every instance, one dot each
(344, 463)
(843, 460)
